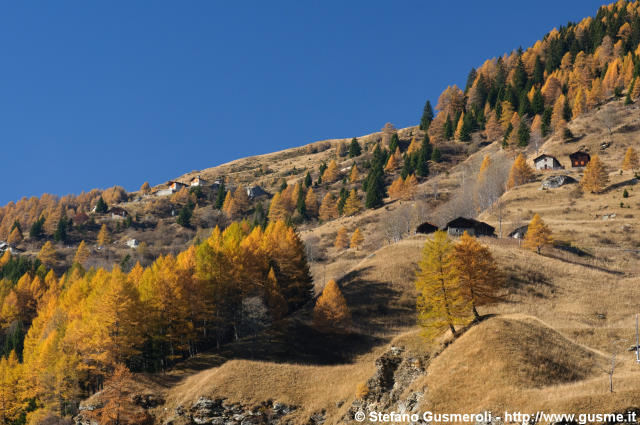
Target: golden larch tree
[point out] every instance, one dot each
(538, 234)
(311, 203)
(410, 187)
(15, 237)
(82, 254)
(342, 239)
(630, 160)
(396, 188)
(104, 238)
(441, 302)
(414, 147)
(477, 272)
(145, 188)
(595, 178)
(357, 239)
(352, 205)
(331, 311)
(392, 164)
(332, 173)
(277, 210)
(355, 174)
(520, 173)
(48, 254)
(329, 208)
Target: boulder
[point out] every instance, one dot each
(553, 182)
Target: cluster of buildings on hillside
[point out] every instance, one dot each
(548, 162)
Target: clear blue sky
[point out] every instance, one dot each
(94, 94)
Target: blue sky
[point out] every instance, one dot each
(94, 94)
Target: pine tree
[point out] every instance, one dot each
(48, 254)
(393, 144)
(329, 208)
(436, 156)
(101, 206)
(331, 311)
(354, 148)
(520, 172)
(357, 239)
(307, 180)
(342, 239)
(441, 302)
(82, 254)
(301, 205)
(221, 196)
(595, 178)
(477, 272)
(630, 160)
(523, 134)
(538, 234)
(104, 238)
(352, 205)
(375, 188)
(427, 116)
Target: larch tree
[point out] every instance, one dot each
(332, 173)
(104, 238)
(82, 254)
(342, 239)
(329, 208)
(277, 209)
(595, 178)
(48, 254)
(145, 188)
(396, 189)
(331, 311)
(441, 302)
(538, 234)
(477, 272)
(357, 239)
(15, 237)
(630, 160)
(353, 205)
(520, 173)
(355, 174)
(392, 163)
(311, 203)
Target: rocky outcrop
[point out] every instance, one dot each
(553, 182)
(395, 371)
(219, 412)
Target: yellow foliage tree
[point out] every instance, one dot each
(520, 173)
(441, 302)
(477, 272)
(595, 178)
(277, 210)
(630, 160)
(355, 174)
(331, 174)
(391, 163)
(15, 237)
(331, 311)
(352, 205)
(145, 188)
(342, 239)
(396, 188)
(82, 254)
(357, 239)
(311, 203)
(48, 254)
(329, 208)
(538, 234)
(104, 238)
